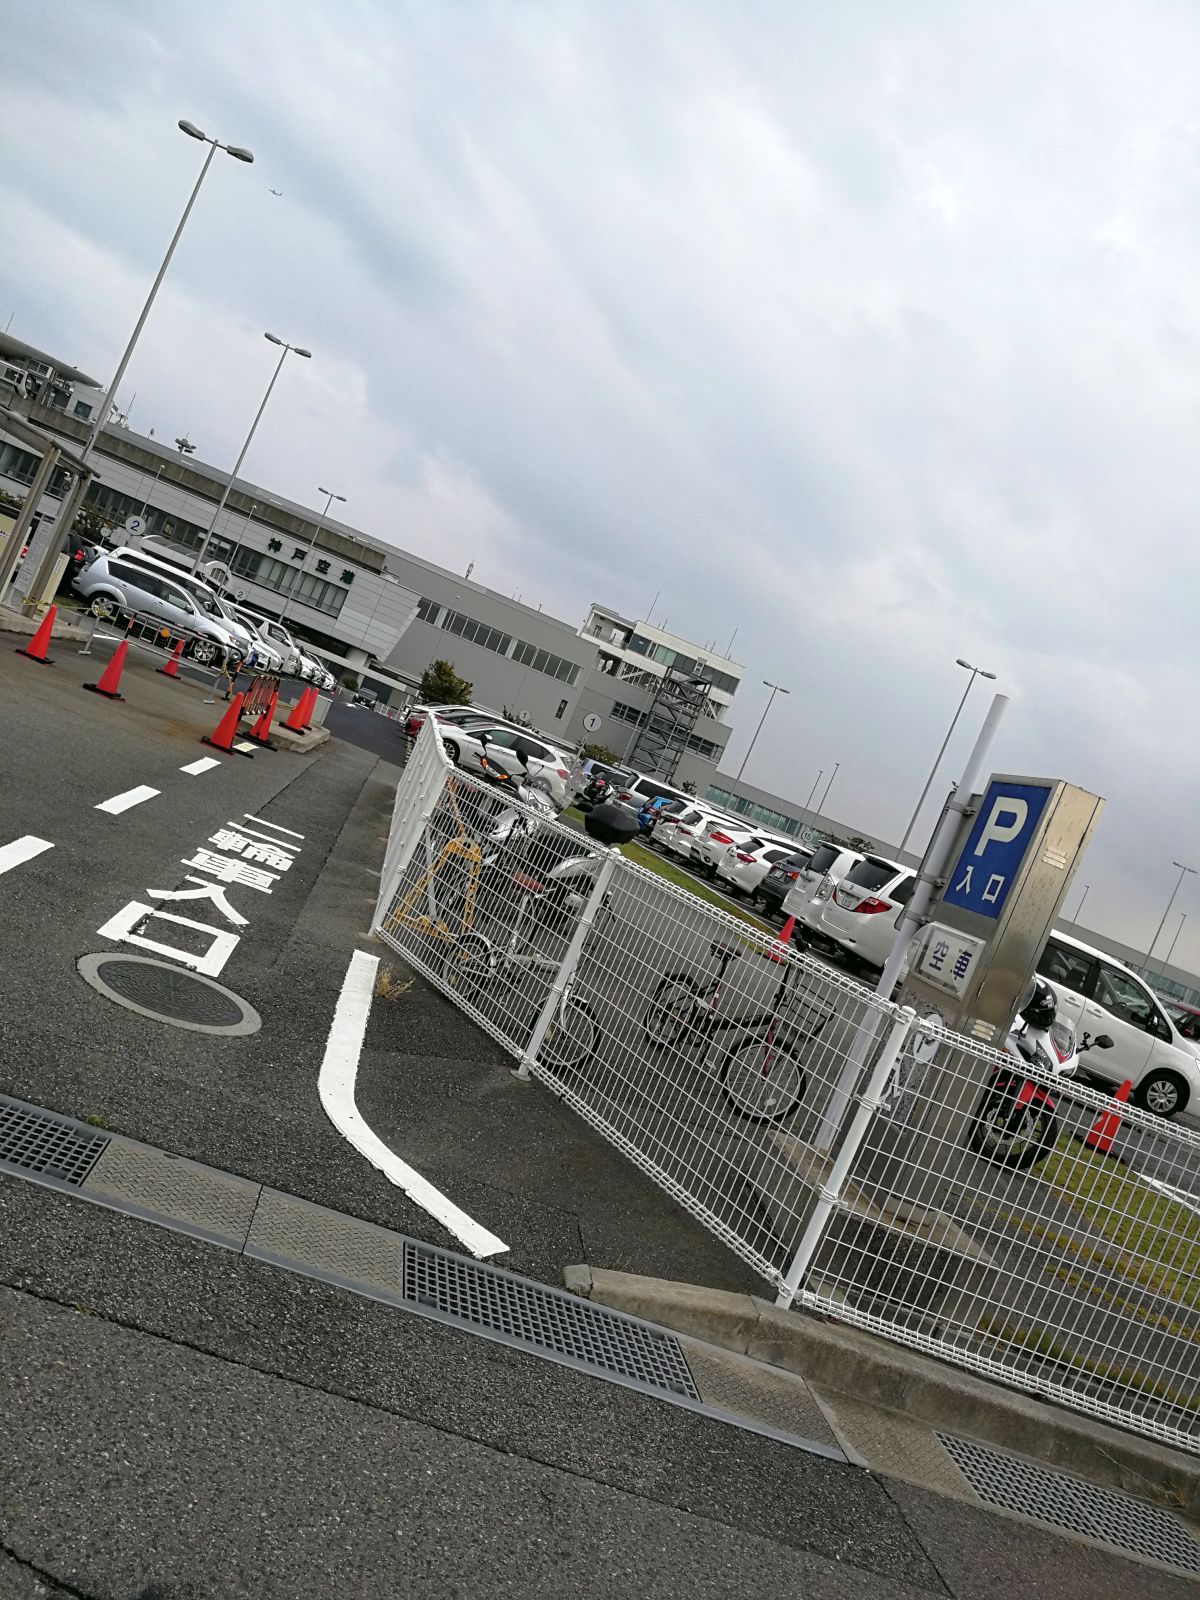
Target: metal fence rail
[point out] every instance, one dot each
(835, 1146)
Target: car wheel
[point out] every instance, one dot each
(451, 749)
(1161, 1092)
(203, 651)
(104, 607)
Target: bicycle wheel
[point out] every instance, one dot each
(669, 1014)
(572, 1036)
(763, 1082)
(467, 965)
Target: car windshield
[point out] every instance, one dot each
(871, 873)
(823, 858)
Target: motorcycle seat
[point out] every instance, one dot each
(528, 884)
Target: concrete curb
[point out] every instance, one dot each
(837, 1357)
(16, 622)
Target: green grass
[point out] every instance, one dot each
(653, 862)
(1159, 1239)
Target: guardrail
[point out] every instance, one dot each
(717, 1061)
(145, 628)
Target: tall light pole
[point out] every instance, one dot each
(813, 790)
(238, 154)
(312, 543)
(1079, 907)
(828, 786)
(1174, 941)
(775, 688)
(284, 351)
(1183, 872)
(976, 672)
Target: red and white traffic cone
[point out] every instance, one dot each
(1103, 1131)
(779, 949)
(110, 678)
(40, 643)
(226, 731)
(171, 670)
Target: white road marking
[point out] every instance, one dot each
(339, 1070)
(1181, 1197)
(245, 744)
(23, 849)
(282, 844)
(205, 764)
(268, 823)
(124, 802)
(120, 928)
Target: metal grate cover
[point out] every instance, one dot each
(39, 1144)
(479, 1298)
(1064, 1502)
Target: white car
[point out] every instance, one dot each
(744, 866)
(465, 747)
(687, 827)
(110, 582)
(863, 911)
(1096, 994)
(815, 883)
(202, 593)
(710, 846)
(277, 637)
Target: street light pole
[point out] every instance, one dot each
(102, 410)
(775, 688)
(976, 672)
(285, 350)
(312, 543)
(813, 790)
(1183, 872)
(1174, 941)
(828, 786)
(1079, 907)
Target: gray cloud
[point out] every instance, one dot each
(871, 332)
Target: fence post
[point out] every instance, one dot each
(410, 819)
(830, 1192)
(570, 961)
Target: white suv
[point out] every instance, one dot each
(863, 911)
(744, 866)
(815, 882)
(465, 746)
(1096, 994)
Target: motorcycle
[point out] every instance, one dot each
(1016, 1124)
(595, 794)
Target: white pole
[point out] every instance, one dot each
(283, 355)
(929, 879)
(1183, 872)
(1174, 941)
(312, 544)
(829, 1193)
(103, 408)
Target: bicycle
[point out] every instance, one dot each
(475, 963)
(761, 1074)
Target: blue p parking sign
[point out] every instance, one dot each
(984, 873)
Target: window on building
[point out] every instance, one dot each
(427, 610)
(82, 409)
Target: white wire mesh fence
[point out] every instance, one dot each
(902, 1178)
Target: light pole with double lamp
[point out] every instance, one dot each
(1183, 872)
(312, 543)
(284, 350)
(976, 672)
(775, 688)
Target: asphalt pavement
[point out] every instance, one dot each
(185, 1422)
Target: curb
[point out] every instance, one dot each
(834, 1356)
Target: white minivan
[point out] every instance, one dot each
(861, 915)
(1096, 994)
(816, 882)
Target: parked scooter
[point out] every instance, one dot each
(595, 794)
(1016, 1124)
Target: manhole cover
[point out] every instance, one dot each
(168, 994)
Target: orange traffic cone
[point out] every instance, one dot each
(111, 676)
(260, 733)
(171, 670)
(40, 642)
(1103, 1131)
(309, 708)
(776, 952)
(226, 730)
(299, 713)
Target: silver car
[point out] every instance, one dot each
(110, 583)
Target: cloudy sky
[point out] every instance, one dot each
(869, 330)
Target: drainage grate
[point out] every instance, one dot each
(1070, 1503)
(167, 993)
(38, 1144)
(481, 1299)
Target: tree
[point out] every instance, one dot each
(599, 752)
(441, 686)
(92, 524)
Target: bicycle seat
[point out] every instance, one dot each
(719, 949)
(530, 885)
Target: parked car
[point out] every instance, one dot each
(779, 880)
(644, 788)
(815, 882)
(860, 917)
(708, 847)
(110, 582)
(1185, 1018)
(675, 827)
(204, 595)
(363, 696)
(80, 552)
(466, 746)
(744, 866)
(584, 772)
(1096, 994)
(276, 635)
